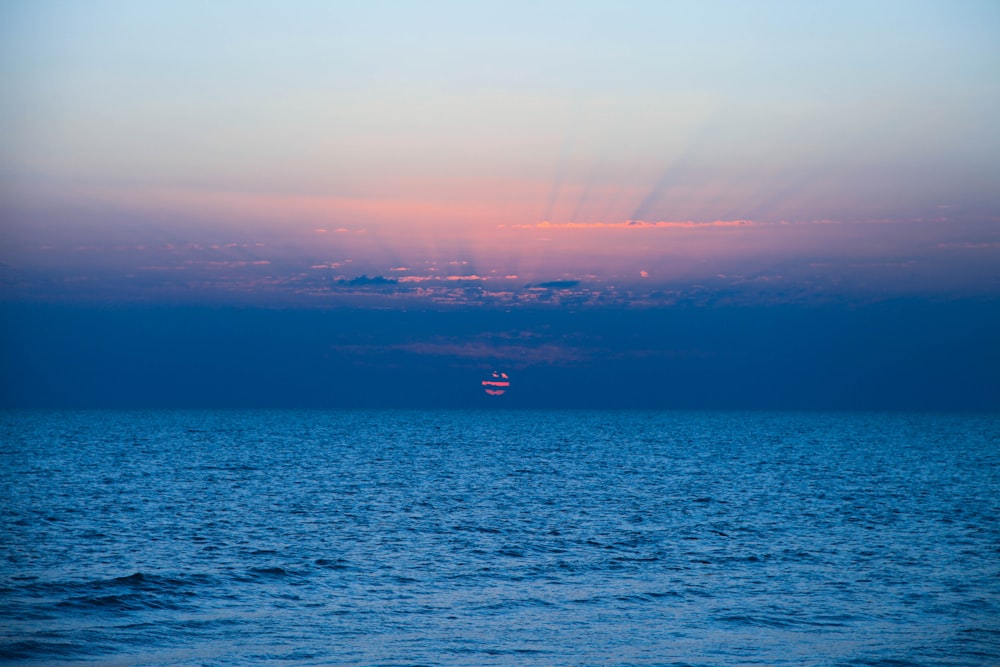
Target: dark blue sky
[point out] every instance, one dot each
(902, 354)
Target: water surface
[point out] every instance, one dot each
(499, 538)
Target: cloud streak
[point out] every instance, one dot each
(638, 224)
(514, 355)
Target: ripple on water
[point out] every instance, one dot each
(362, 538)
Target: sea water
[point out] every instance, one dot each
(499, 538)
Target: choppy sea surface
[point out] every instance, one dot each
(499, 538)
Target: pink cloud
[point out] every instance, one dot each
(637, 224)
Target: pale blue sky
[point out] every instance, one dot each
(454, 118)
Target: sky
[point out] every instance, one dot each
(581, 161)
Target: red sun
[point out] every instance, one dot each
(496, 384)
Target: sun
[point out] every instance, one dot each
(497, 383)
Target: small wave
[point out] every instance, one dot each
(635, 597)
(130, 593)
(883, 662)
(477, 529)
(635, 559)
(645, 597)
(593, 600)
(754, 621)
(335, 564)
(228, 468)
(516, 604)
(134, 592)
(595, 543)
(664, 594)
(36, 650)
(782, 622)
(127, 602)
(511, 552)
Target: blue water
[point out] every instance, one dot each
(492, 538)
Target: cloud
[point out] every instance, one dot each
(548, 353)
(638, 224)
(969, 245)
(559, 284)
(514, 355)
(375, 280)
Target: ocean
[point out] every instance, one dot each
(499, 538)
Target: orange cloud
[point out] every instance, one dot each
(637, 224)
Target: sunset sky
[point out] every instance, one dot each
(429, 155)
